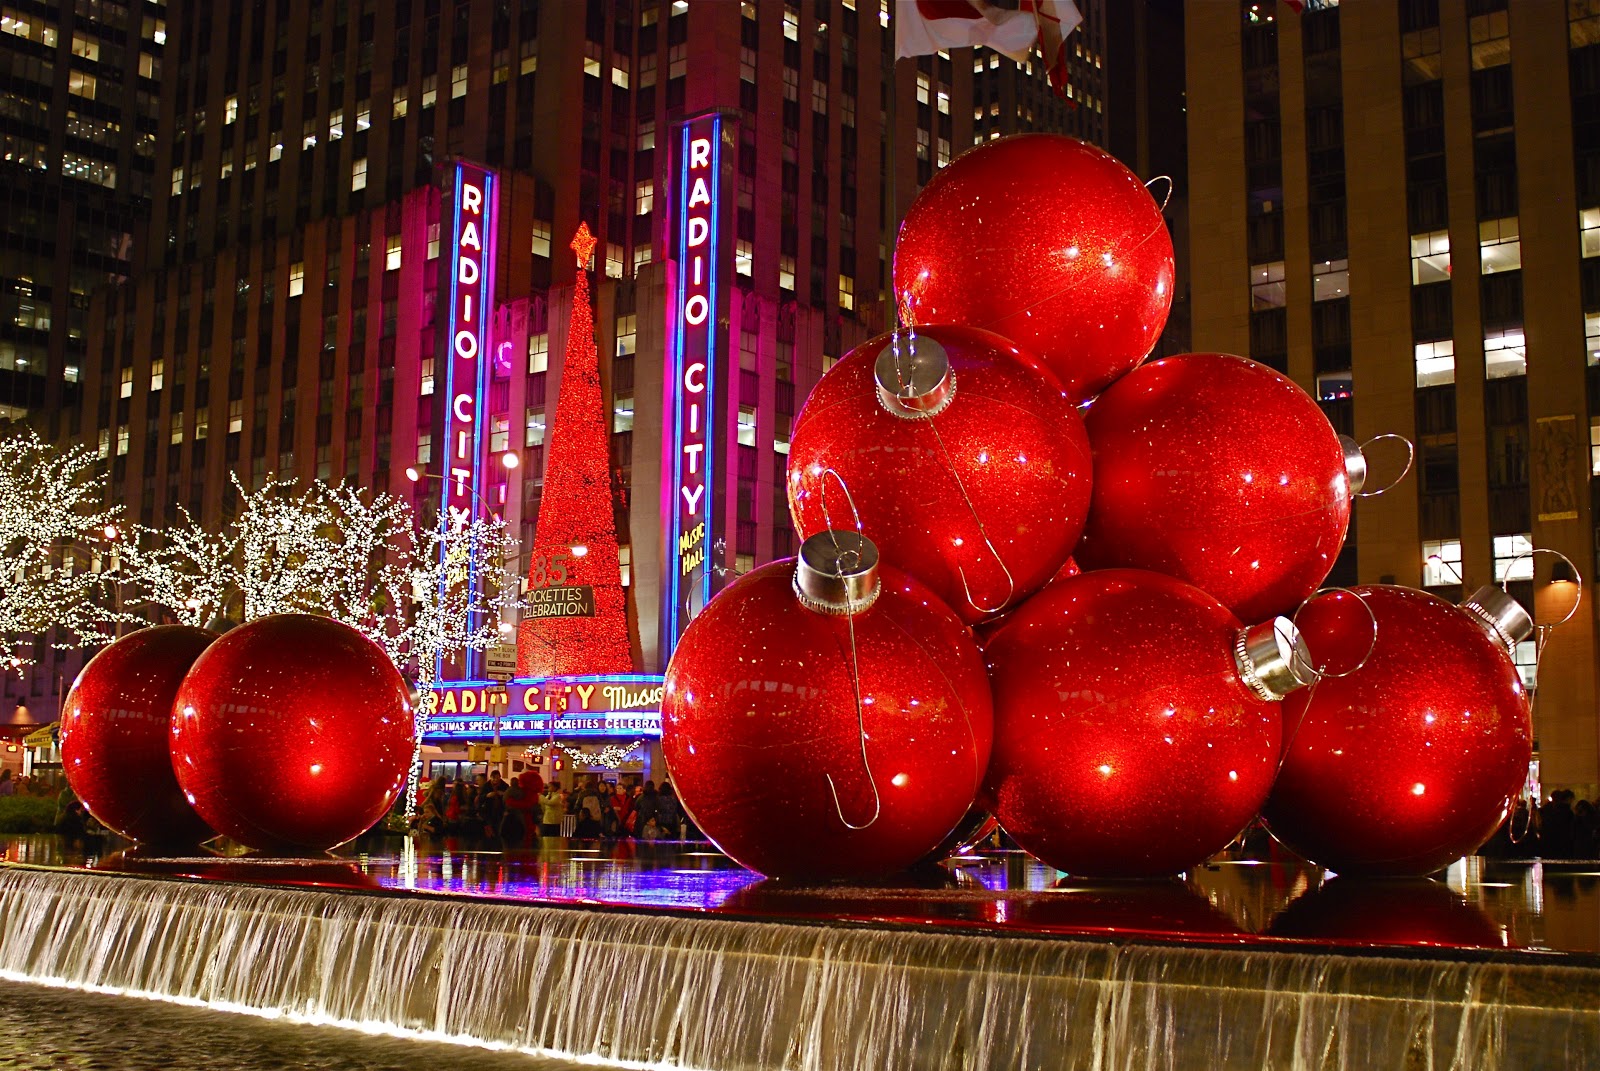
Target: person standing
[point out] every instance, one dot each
(670, 815)
(552, 806)
(646, 809)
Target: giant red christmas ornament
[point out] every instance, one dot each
(770, 750)
(1411, 761)
(1135, 725)
(1219, 471)
(1049, 241)
(114, 730)
(292, 732)
(964, 460)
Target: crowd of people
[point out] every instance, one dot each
(516, 811)
(1564, 827)
(28, 786)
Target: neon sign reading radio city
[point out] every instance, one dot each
(693, 314)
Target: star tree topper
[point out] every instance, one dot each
(583, 244)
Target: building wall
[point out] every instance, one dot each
(300, 138)
(1391, 209)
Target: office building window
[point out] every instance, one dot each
(747, 426)
(627, 334)
(358, 174)
(499, 434)
(158, 374)
(622, 413)
(1504, 354)
(1594, 446)
(1266, 286)
(1441, 563)
(1591, 336)
(644, 198)
(541, 238)
(297, 279)
(1436, 363)
(1589, 229)
(1330, 280)
(424, 447)
(625, 564)
(1499, 245)
(391, 259)
(534, 426)
(1513, 557)
(1430, 257)
(176, 435)
(538, 352)
(427, 376)
(126, 389)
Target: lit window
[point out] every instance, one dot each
(1330, 280)
(122, 440)
(391, 259)
(424, 447)
(747, 426)
(105, 443)
(176, 435)
(541, 238)
(126, 390)
(644, 198)
(924, 88)
(1266, 286)
(336, 124)
(275, 153)
(622, 413)
(641, 257)
(647, 135)
(1436, 363)
(1594, 446)
(427, 376)
(847, 293)
(538, 353)
(1526, 656)
(613, 260)
(363, 115)
(1504, 354)
(158, 374)
(202, 423)
(401, 102)
(430, 91)
(627, 334)
(530, 57)
(535, 426)
(1499, 245)
(297, 279)
(70, 373)
(177, 181)
(80, 83)
(791, 23)
(85, 47)
(619, 77)
(458, 82)
(230, 110)
(625, 564)
(1430, 257)
(785, 273)
(780, 435)
(235, 416)
(1589, 231)
(499, 434)
(358, 174)
(944, 102)
(1513, 557)
(591, 66)
(1441, 563)
(1334, 386)
(742, 257)
(1591, 336)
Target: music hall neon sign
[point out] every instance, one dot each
(467, 345)
(692, 312)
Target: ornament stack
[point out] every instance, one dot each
(1134, 552)
(292, 733)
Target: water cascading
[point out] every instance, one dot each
(640, 989)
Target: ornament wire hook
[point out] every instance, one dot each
(1171, 186)
(855, 660)
(1319, 674)
(966, 587)
(1411, 459)
(1541, 633)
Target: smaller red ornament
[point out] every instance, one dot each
(292, 732)
(768, 746)
(963, 459)
(114, 731)
(1221, 472)
(1411, 760)
(1136, 728)
(1049, 241)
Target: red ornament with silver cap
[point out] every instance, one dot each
(1136, 722)
(1223, 473)
(826, 716)
(968, 464)
(1049, 241)
(1411, 760)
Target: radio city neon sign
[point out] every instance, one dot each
(471, 267)
(692, 313)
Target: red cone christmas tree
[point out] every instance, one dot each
(574, 564)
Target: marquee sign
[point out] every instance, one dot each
(471, 202)
(696, 382)
(621, 704)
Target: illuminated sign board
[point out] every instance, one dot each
(696, 382)
(619, 704)
(471, 204)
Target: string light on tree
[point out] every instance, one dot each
(611, 757)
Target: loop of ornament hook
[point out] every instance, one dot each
(1317, 673)
(1171, 186)
(1411, 459)
(966, 587)
(1505, 581)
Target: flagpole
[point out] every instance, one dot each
(892, 146)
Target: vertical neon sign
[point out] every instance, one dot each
(695, 315)
(467, 346)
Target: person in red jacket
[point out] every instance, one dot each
(523, 804)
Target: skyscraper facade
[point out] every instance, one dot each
(1398, 204)
(287, 318)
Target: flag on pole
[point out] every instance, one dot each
(924, 27)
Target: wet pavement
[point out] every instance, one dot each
(1502, 907)
(45, 1029)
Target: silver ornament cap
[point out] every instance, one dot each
(914, 376)
(1355, 464)
(1272, 659)
(837, 573)
(1501, 616)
